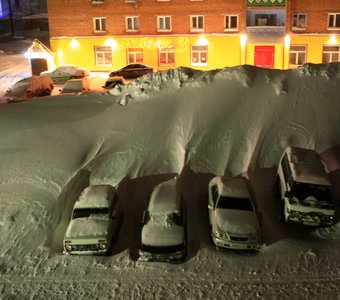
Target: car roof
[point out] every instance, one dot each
(231, 187)
(163, 197)
(306, 166)
(95, 196)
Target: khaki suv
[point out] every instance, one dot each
(306, 193)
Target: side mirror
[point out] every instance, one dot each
(210, 206)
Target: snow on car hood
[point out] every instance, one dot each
(237, 221)
(155, 235)
(85, 227)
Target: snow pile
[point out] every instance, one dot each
(217, 122)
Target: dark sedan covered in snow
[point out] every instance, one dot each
(133, 71)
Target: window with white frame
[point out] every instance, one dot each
(131, 23)
(197, 23)
(297, 55)
(166, 56)
(164, 23)
(330, 53)
(103, 56)
(334, 21)
(134, 55)
(230, 22)
(199, 55)
(299, 21)
(99, 24)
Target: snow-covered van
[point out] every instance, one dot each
(163, 232)
(233, 217)
(305, 190)
(95, 221)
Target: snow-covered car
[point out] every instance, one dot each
(133, 71)
(163, 232)
(233, 217)
(66, 72)
(95, 221)
(111, 82)
(35, 86)
(305, 190)
(79, 85)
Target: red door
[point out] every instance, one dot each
(264, 56)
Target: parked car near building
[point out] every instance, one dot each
(233, 218)
(66, 72)
(95, 221)
(163, 232)
(305, 190)
(35, 86)
(111, 82)
(133, 71)
(79, 85)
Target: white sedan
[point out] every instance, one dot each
(66, 72)
(163, 233)
(232, 215)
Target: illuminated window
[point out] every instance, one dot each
(297, 55)
(103, 56)
(131, 23)
(164, 23)
(330, 54)
(166, 56)
(134, 55)
(333, 21)
(199, 55)
(197, 23)
(99, 24)
(230, 22)
(299, 21)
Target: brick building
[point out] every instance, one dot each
(202, 34)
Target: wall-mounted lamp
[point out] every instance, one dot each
(110, 42)
(74, 43)
(202, 41)
(243, 40)
(332, 40)
(287, 40)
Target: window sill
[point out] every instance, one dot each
(100, 31)
(230, 30)
(333, 28)
(164, 30)
(299, 28)
(132, 30)
(199, 64)
(196, 29)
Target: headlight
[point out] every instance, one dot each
(294, 213)
(102, 245)
(219, 234)
(68, 246)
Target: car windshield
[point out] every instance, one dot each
(101, 212)
(234, 203)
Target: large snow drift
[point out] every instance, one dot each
(221, 122)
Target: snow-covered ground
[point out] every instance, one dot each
(195, 124)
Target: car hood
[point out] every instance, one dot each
(237, 221)
(153, 235)
(84, 227)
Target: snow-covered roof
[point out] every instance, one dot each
(163, 197)
(306, 166)
(231, 187)
(96, 196)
